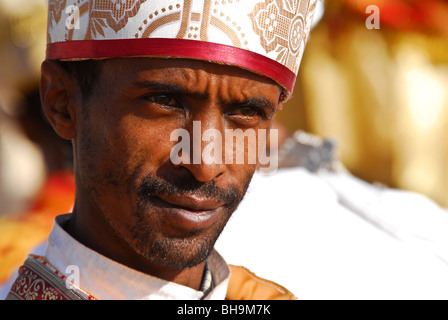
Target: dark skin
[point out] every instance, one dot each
(133, 204)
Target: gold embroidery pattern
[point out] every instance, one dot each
(193, 25)
(276, 29)
(38, 280)
(282, 26)
(55, 10)
(116, 12)
(29, 286)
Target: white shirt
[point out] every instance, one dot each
(333, 236)
(106, 279)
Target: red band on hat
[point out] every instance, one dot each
(179, 48)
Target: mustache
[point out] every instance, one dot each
(151, 186)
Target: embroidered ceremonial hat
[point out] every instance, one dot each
(267, 37)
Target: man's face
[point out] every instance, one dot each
(169, 213)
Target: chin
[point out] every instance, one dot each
(177, 252)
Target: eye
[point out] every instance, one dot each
(163, 99)
(249, 111)
(246, 115)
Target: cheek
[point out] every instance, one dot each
(97, 160)
(113, 156)
(141, 142)
(132, 148)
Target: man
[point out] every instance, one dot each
(120, 78)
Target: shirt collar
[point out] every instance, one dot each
(106, 279)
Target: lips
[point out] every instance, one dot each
(191, 203)
(188, 212)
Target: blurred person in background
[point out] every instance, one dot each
(36, 180)
(25, 229)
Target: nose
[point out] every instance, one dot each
(204, 159)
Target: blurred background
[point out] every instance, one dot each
(381, 94)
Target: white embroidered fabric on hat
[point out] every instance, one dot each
(264, 36)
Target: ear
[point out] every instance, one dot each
(58, 95)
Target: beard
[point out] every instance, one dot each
(188, 249)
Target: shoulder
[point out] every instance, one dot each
(245, 285)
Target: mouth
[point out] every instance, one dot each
(189, 213)
(191, 203)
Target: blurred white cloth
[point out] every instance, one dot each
(22, 167)
(332, 236)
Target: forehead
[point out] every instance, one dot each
(192, 76)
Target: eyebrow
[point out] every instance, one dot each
(260, 101)
(160, 86)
